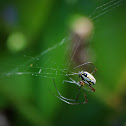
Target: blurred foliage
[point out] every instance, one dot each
(27, 29)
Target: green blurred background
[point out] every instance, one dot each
(27, 29)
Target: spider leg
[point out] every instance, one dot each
(61, 99)
(86, 101)
(71, 102)
(85, 98)
(87, 89)
(95, 69)
(72, 81)
(92, 88)
(64, 98)
(85, 64)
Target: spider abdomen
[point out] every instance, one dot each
(87, 78)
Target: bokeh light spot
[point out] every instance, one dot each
(16, 42)
(81, 26)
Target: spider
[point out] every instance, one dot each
(87, 79)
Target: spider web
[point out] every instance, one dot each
(46, 64)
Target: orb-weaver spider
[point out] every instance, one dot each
(87, 79)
